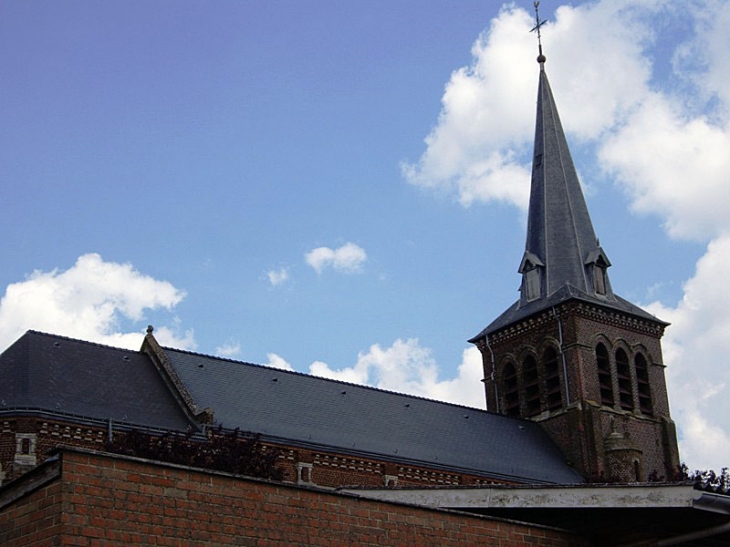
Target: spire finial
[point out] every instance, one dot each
(538, 23)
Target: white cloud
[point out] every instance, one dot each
(703, 60)
(87, 301)
(672, 156)
(346, 259)
(480, 147)
(694, 349)
(229, 349)
(173, 337)
(407, 367)
(681, 170)
(483, 116)
(276, 361)
(277, 277)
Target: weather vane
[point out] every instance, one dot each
(536, 28)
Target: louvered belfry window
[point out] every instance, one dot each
(511, 391)
(552, 379)
(626, 396)
(642, 382)
(604, 375)
(531, 388)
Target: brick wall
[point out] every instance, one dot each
(35, 520)
(92, 499)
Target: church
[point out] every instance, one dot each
(576, 445)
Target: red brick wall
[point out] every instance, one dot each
(111, 500)
(35, 520)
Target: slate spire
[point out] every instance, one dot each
(563, 259)
(561, 251)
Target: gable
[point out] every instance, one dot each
(65, 377)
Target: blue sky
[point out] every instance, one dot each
(340, 187)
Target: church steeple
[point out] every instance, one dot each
(563, 259)
(570, 354)
(561, 251)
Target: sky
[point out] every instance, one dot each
(340, 188)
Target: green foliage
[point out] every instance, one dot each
(232, 452)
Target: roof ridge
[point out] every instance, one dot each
(340, 382)
(217, 357)
(71, 339)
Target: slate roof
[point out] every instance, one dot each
(559, 228)
(560, 235)
(57, 375)
(316, 412)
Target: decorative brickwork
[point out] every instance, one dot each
(415, 475)
(25, 441)
(299, 466)
(96, 499)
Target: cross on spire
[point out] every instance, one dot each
(538, 24)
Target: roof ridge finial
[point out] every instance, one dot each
(538, 23)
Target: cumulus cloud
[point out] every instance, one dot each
(275, 361)
(229, 349)
(472, 149)
(681, 172)
(480, 148)
(408, 367)
(694, 348)
(672, 156)
(663, 138)
(89, 301)
(703, 60)
(277, 277)
(348, 258)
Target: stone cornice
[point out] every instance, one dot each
(575, 308)
(617, 318)
(519, 328)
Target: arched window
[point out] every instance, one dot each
(552, 379)
(642, 383)
(531, 386)
(623, 372)
(604, 375)
(510, 391)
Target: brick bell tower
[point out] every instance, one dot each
(570, 354)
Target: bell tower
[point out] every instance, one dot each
(570, 354)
